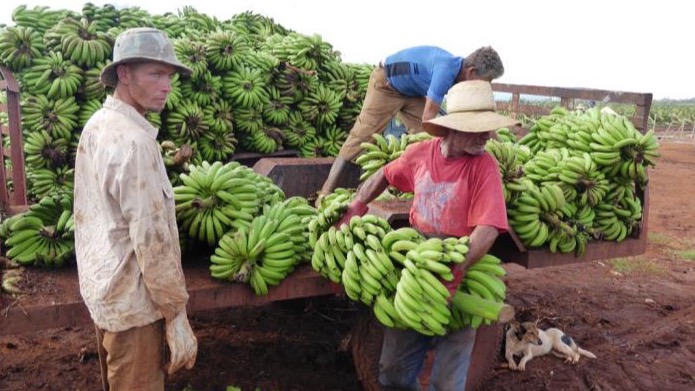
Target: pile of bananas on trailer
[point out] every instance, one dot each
(399, 273)
(257, 86)
(43, 235)
(576, 176)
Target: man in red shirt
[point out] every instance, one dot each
(457, 192)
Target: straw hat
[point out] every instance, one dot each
(470, 107)
(141, 44)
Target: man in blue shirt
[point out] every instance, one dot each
(411, 82)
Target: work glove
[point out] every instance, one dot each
(453, 285)
(183, 346)
(355, 208)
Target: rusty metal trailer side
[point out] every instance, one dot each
(16, 195)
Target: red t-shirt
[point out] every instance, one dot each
(451, 195)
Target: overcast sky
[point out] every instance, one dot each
(642, 46)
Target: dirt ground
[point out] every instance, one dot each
(636, 314)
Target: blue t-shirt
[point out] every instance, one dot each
(426, 71)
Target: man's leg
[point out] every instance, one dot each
(411, 114)
(135, 358)
(451, 361)
(402, 357)
(381, 103)
(102, 358)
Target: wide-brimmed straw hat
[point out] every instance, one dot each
(470, 107)
(141, 44)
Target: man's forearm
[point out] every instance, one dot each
(372, 187)
(431, 110)
(481, 240)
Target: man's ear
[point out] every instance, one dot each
(123, 73)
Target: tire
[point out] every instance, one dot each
(368, 335)
(365, 342)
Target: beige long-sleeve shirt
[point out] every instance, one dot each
(126, 237)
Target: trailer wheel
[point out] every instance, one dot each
(367, 337)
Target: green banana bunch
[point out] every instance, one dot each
(321, 106)
(421, 299)
(329, 211)
(132, 17)
(20, 46)
(87, 109)
(385, 311)
(186, 123)
(278, 109)
(226, 50)
(367, 268)
(48, 182)
(41, 150)
(191, 53)
(265, 254)
(436, 255)
(44, 234)
(219, 116)
(295, 82)
(483, 281)
(216, 145)
(175, 96)
(582, 173)
(53, 76)
(214, 199)
(505, 135)
(510, 159)
(383, 150)
(612, 222)
(245, 86)
(203, 89)
(335, 137)
(57, 116)
(83, 44)
(298, 132)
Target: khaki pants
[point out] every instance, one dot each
(132, 360)
(381, 104)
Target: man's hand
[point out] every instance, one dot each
(453, 285)
(356, 208)
(183, 346)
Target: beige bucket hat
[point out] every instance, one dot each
(470, 107)
(141, 44)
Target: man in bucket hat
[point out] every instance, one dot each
(457, 192)
(411, 83)
(126, 237)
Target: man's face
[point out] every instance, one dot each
(149, 84)
(469, 143)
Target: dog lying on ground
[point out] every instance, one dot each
(528, 341)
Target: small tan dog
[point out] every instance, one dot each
(528, 341)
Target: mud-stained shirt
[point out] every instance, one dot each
(126, 237)
(451, 195)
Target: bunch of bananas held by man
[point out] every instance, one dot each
(352, 255)
(480, 299)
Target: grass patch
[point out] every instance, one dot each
(659, 238)
(638, 265)
(688, 255)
